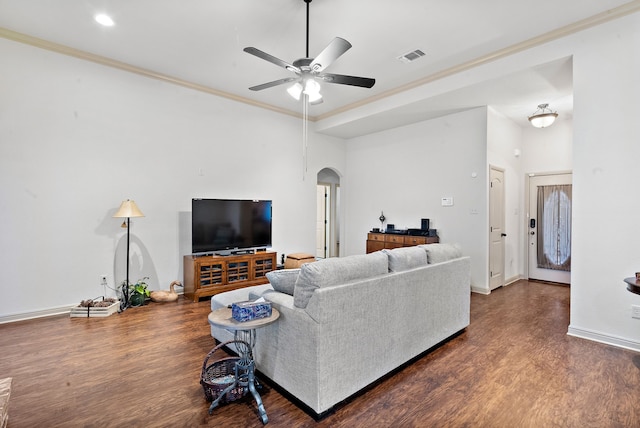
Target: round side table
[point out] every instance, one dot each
(245, 332)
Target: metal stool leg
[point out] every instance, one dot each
(247, 362)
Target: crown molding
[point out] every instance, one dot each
(601, 18)
(592, 21)
(109, 62)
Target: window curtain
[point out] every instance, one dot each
(554, 227)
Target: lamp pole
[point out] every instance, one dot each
(125, 288)
(127, 210)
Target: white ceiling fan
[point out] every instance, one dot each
(311, 70)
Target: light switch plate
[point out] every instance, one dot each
(447, 201)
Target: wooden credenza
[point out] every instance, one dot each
(209, 275)
(380, 241)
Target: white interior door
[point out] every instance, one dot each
(328, 214)
(496, 228)
(321, 220)
(535, 272)
(328, 219)
(335, 240)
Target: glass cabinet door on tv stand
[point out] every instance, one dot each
(208, 275)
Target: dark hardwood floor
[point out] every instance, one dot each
(514, 366)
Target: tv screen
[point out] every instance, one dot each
(227, 224)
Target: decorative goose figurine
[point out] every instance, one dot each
(164, 295)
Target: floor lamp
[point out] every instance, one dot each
(127, 210)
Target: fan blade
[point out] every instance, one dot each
(272, 84)
(337, 47)
(341, 79)
(272, 59)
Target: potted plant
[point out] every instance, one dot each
(138, 292)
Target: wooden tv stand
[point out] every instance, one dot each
(209, 275)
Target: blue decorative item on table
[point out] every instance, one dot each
(247, 311)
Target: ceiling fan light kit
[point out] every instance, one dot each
(295, 91)
(543, 117)
(309, 71)
(311, 87)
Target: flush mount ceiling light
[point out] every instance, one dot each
(103, 19)
(543, 117)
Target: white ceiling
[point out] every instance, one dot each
(201, 41)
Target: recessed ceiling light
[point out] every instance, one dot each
(104, 20)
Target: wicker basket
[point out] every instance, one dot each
(220, 374)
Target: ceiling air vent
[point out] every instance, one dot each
(411, 56)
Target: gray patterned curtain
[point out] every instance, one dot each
(554, 227)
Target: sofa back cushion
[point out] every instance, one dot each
(438, 253)
(283, 280)
(334, 271)
(405, 258)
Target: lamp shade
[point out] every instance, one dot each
(128, 209)
(543, 117)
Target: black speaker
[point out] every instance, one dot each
(425, 224)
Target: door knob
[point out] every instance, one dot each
(503, 234)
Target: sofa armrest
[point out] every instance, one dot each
(281, 299)
(223, 300)
(286, 351)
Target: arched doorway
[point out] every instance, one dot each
(327, 219)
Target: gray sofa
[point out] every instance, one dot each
(346, 322)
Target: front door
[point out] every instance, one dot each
(536, 227)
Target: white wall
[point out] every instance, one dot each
(406, 171)
(606, 151)
(548, 149)
(77, 138)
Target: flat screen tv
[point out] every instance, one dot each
(229, 224)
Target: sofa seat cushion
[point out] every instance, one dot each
(338, 270)
(405, 258)
(438, 253)
(283, 280)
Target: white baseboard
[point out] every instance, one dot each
(35, 314)
(607, 339)
(484, 291)
(513, 280)
(39, 314)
